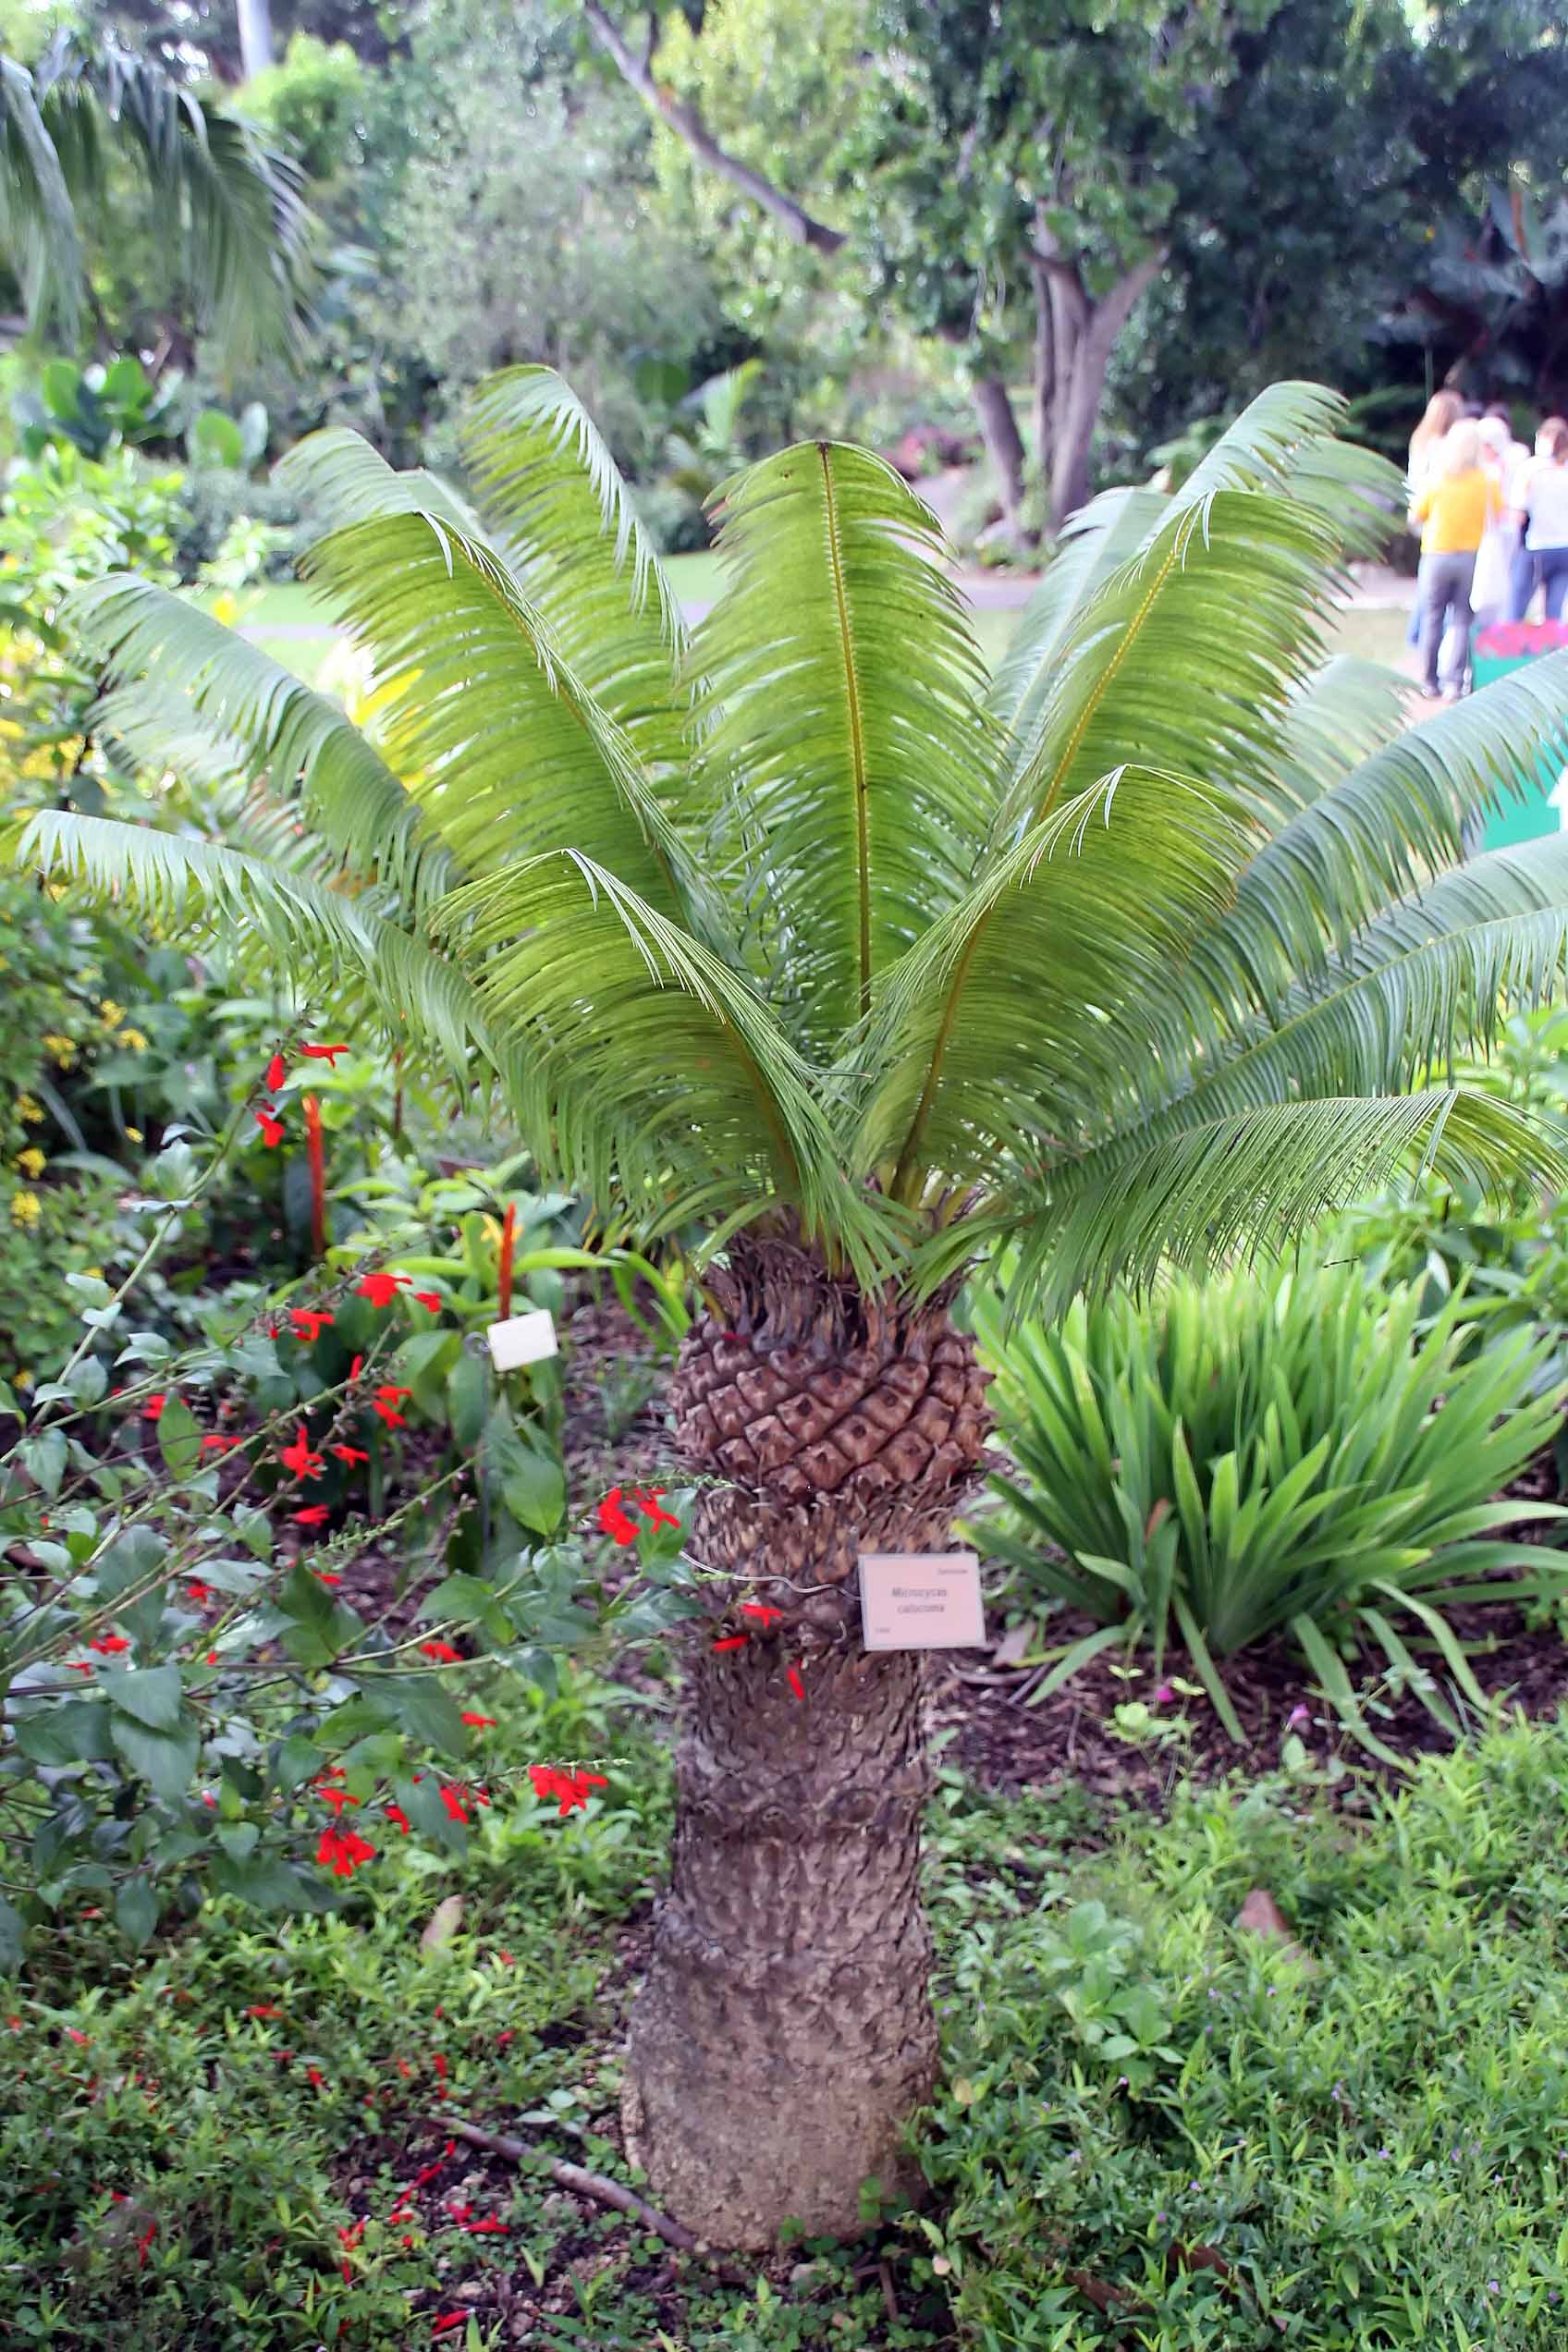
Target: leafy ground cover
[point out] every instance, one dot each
(1157, 2131)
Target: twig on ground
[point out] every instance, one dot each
(889, 2297)
(591, 2185)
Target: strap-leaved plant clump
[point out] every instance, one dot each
(802, 932)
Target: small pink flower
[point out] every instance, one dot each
(1164, 1695)
(1298, 1714)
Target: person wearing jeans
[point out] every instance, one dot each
(1459, 501)
(1543, 498)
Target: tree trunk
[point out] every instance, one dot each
(1079, 407)
(784, 2036)
(999, 429)
(255, 36)
(1045, 367)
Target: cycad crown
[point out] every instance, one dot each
(800, 925)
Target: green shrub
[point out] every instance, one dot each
(1250, 1456)
(1372, 2154)
(217, 497)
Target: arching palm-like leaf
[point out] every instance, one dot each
(230, 206)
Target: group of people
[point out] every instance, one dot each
(1494, 529)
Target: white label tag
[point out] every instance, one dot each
(921, 1600)
(522, 1339)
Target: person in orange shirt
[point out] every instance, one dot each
(1460, 497)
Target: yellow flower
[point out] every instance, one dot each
(135, 1038)
(29, 1112)
(95, 1271)
(22, 1380)
(26, 1208)
(112, 1013)
(31, 1162)
(61, 1050)
(133, 1135)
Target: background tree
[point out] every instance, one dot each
(522, 224)
(1337, 215)
(739, 927)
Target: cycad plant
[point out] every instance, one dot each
(802, 930)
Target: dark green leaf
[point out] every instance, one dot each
(152, 1695)
(179, 1439)
(71, 1731)
(135, 1908)
(166, 1761)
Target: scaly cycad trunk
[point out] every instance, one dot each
(784, 2035)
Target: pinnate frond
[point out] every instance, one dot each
(846, 734)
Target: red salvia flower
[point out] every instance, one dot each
(200, 1593)
(318, 2080)
(384, 1405)
(308, 1322)
(733, 1641)
(760, 1609)
(109, 1644)
(381, 1289)
(212, 1657)
(145, 2241)
(153, 1409)
(795, 1682)
(326, 1576)
(76, 2034)
(447, 2322)
(218, 1444)
(613, 1518)
(271, 1127)
(263, 2009)
(299, 1458)
(577, 1788)
(397, 1817)
(443, 1653)
(324, 1053)
(356, 1367)
(348, 1454)
(648, 1503)
(343, 1851)
(315, 1514)
(439, 2064)
(278, 1071)
(432, 1299)
(571, 1788)
(481, 1722)
(476, 2229)
(78, 1668)
(456, 1810)
(338, 1798)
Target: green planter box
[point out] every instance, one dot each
(1494, 651)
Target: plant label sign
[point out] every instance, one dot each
(522, 1339)
(921, 1600)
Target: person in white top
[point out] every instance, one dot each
(1540, 495)
(1502, 456)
